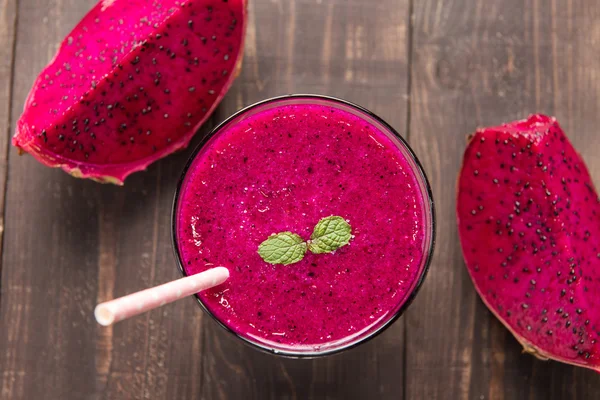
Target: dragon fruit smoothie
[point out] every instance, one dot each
(282, 165)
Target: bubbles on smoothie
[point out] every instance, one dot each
(195, 234)
(224, 302)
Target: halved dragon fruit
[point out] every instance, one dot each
(529, 224)
(131, 84)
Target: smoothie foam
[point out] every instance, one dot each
(283, 169)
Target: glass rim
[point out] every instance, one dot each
(428, 203)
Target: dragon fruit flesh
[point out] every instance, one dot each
(131, 84)
(529, 224)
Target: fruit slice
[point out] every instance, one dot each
(529, 224)
(131, 84)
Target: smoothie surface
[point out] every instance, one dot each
(283, 169)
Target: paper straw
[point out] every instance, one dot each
(126, 307)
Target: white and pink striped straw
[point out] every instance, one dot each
(137, 303)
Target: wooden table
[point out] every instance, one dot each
(434, 69)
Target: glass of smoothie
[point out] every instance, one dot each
(282, 165)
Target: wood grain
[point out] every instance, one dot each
(8, 20)
(436, 69)
(8, 25)
(478, 63)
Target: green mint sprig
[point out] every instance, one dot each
(282, 248)
(285, 248)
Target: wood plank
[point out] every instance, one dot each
(339, 48)
(8, 19)
(8, 25)
(478, 63)
(10, 373)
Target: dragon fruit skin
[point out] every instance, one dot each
(131, 84)
(529, 223)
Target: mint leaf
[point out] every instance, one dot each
(330, 234)
(282, 248)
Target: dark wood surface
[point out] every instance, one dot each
(434, 69)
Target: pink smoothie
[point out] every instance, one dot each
(283, 169)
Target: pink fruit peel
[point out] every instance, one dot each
(529, 224)
(131, 84)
